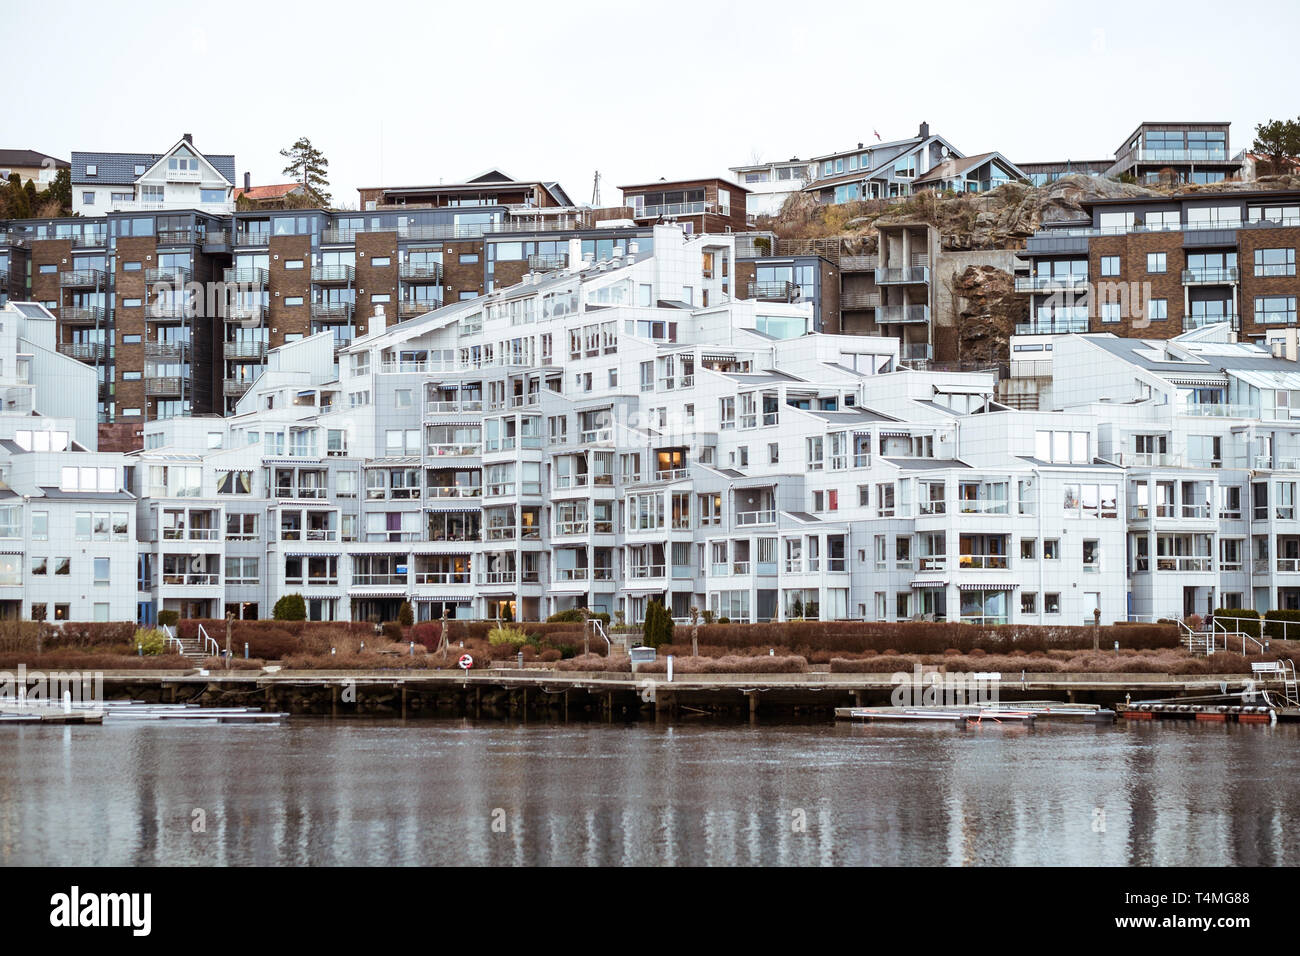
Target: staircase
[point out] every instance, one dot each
(196, 649)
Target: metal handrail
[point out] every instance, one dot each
(207, 639)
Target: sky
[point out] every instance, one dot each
(399, 93)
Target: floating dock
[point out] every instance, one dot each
(1211, 712)
(121, 711)
(1020, 713)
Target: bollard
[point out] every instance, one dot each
(363, 647)
(670, 668)
(245, 650)
(521, 660)
(67, 702)
(331, 652)
(412, 648)
(1117, 648)
(139, 649)
(771, 652)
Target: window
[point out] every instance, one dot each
(92, 169)
(1275, 309)
(1052, 603)
(1157, 309)
(292, 300)
(88, 198)
(139, 169)
(40, 565)
(62, 612)
(89, 479)
(1029, 602)
(235, 483)
(380, 298)
(49, 270)
(1061, 447)
(212, 195)
(1028, 549)
(40, 525)
(63, 566)
(773, 453)
(101, 572)
(1156, 262)
(1275, 262)
(381, 262)
(1110, 312)
(1110, 265)
(131, 339)
(132, 267)
(1052, 549)
(468, 258)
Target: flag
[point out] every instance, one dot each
(877, 134)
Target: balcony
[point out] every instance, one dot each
(1265, 462)
(934, 562)
(453, 491)
(244, 312)
(443, 577)
(178, 237)
(773, 291)
(167, 351)
(166, 386)
(257, 239)
(749, 518)
(453, 450)
(378, 580)
(499, 577)
(1181, 155)
(1142, 459)
(1200, 321)
(83, 351)
(982, 562)
(254, 351)
(82, 279)
(1200, 563)
(235, 386)
(191, 580)
(1288, 565)
(1071, 283)
(1053, 326)
(82, 315)
(1225, 276)
(570, 528)
(858, 263)
(420, 273)
(246, 276)
(639, 572)
(680, 209)
(859, 300)
(332, 275)
(411, 308)
(910, 276)
(469, 407)
(1206, 410)
(170, 310)
(902, 314)
(335, 311)
(167, 275)
(548, 263)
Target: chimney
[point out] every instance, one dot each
(1291, 350)
(1277, 347)
(248, 181)
(189, 138)
(378, 322)
(924, 132)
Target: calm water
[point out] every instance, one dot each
(374, 793)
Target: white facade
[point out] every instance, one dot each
(770, 184)
(181, 178)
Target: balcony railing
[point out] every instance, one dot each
(1200, 321)
(1288, 565)
(914, 274)
(642, 571)
(245, 350)
(243, 238)
(934, 562)
(773, 291)
(499, 577)
(425, 272)
(858, 263)
(453, 491)
(164, 309)
(378, 580)
(244, 312)
(1182, 155)
(1052, 326)
(570, 574)
(235, 386)
(1211, 276)
(984, 562)
(165, 386)
(332, 310)
(332, 275)
(681, 209)
(453, 450)
(746, 518)
(1216, 411)
(902, 313)
(548, 263)
(178, 237)
(1051, 283)
(191, 580)
(169, 275)
(1199, 563)
(83, 351)
(81, 279)
(167, 351)
(859, 300)
(246, 276)
(469, 407)
(443, 577)
(1142, 459)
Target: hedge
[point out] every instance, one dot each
(1242, 619)
(1273, 625)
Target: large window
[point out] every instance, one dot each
(1274, 262)
(1275, 309)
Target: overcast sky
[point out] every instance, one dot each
(405, 93)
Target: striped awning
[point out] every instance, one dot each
(395, 590)
(446, 599)
(1004, 586)
(894, 433)
(929, 584)
(11, 551)
(458, 422)
(715, 357)
(454, 509)
(312, 554)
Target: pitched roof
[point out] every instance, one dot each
(118, 169)
(26, 157)
(278, 191)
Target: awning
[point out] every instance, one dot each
(461, 509)
(290, 461)
(368, 554)
(396, 589)
(894, 434)
(312, 554)
(1008, 586)
(714, 357)
(460, 422)
(929, 584)
(446, 599)
(12, 552)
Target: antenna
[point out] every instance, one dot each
(595, 190)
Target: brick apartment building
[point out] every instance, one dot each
(699, 205)
(1154, 268)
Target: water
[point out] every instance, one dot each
(451, 792)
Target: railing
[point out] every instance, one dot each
(1052, 327)
(246, 276)
(332, 310)
(332, 274)
(193, 580)
(1210, 276)
(1195, 511)
(1200, 321)
(773, 291)
(83, 351)
(171, 275)
(563, 528)
(235, 386)
(902, 313)
(170, 310)
(681, 209)
(178, 237)
(912, 274)
(499, 577)
(983, 507)
(425, 272)
(81, 279)
(986, 562)
(597, 436)
(547, 263)
(744, 518)
(1288, 565)
(242, 312)
(1148, 460)
(641, 571)
(164, 385)
(210, 646)
(453, 491)
(934, 562)
(858, 263)
(453, 450)
(243, 238)
(288, 491)
(378, 580)
(1194, 563)
(570, 574)
(443, 577)
(1263, 462)
(1051, 283)
(1216, 411)
(1181, 155)
(245, 350)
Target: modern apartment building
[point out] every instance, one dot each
(1156, 152)
(1155, 267)
(67, 530)
(178, 178)
(712, 205)
(770, 184)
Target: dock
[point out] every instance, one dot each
(1026, 712)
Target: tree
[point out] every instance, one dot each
(308, 165)
(1279, 140)
(657, 628)
(405, 615)
(60, 190)
(291, 607)
(17, 203)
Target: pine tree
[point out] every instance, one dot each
(308, 165)
(17, 203)
(1279, 140)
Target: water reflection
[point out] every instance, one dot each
(372, 793)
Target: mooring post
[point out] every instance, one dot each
(753, 705)
(566, 705)
(334, 700)
(403, 701)
(857, 698)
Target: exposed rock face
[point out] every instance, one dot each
(990, 309)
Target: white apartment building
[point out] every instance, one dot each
(67, 531)
(770, 184)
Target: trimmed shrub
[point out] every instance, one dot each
(571, 615)
(549, 656)
(291, 607)
(153, 642)
(169, 618)
(392, 631)
(1273, 628)
(658, 625)
(511, 637)
(405, 614)
(427, 633)
(1242, 619)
